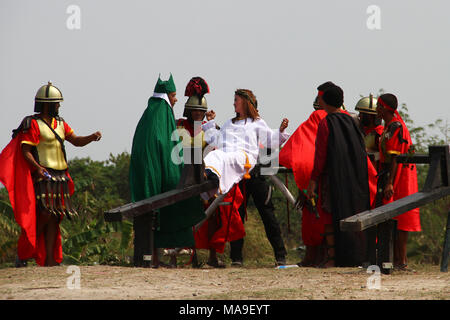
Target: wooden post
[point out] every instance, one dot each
(446, 250)
(371, 246)
(153, 250)
(385, 246)
(439, 172)
(141, 226)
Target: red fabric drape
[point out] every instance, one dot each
(298, 154)
(229, 220)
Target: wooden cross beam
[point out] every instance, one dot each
(370, 218)
(134, 209)
(186, 189)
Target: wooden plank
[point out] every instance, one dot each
(378, 215)
(416, 158)
(210, 210)
(130, 210)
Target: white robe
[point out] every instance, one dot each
(235, 143)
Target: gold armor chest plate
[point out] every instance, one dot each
(191, 142)
(49, 149)
(370, 142)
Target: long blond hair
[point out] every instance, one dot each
(250, 104)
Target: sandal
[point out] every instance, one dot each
(20, 263)
(237, 264)
(216, 264)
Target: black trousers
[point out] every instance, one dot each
(258, 188)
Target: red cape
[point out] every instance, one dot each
(298, 152)
(15, 174)
(231, 226)
(298, 155)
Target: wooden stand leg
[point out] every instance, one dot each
(144, 229)
(371, 246)
(385, 246)
(446, 249)
(153, 250)
(141, 226)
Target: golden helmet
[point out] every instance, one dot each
(195, 103)
(48, 93)
(367, 105)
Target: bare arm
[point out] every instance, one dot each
(389, 188)
(26, 151)
(81, 141)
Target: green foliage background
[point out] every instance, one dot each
(101, 185)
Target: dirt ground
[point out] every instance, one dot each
(127, 283)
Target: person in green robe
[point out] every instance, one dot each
(155, 167)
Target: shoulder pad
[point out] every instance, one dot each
(393, 127)
(180, 121)
(24, 126)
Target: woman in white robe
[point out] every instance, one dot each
(238, 142)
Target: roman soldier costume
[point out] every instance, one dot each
(396, 140)
(191, 135)
(371, 128)
(27, 191)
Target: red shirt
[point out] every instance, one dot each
(32, 136)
